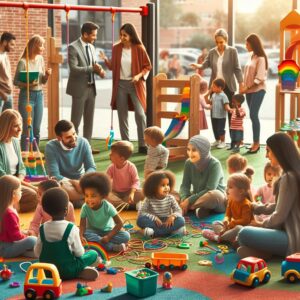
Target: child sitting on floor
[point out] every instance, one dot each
(99, 220)
(40, 216)
(238, 212)
(59, 240)
(157, 154)
(124, 176)
(160, 214)
(13, 242)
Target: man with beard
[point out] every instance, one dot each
(7, 44)
(68, 157)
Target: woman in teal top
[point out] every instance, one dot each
(204, 173)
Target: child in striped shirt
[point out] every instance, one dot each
(160, 214)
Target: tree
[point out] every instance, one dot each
(200, 41)
(168, 12)
(189, 19)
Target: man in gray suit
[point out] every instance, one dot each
(81, 83)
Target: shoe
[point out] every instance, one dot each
(211, 235)
(89, 274)
(181, 231)
(202, 212)
(97, 262)
(119, 247)
(148, 232)
(245, 251)
(249, 147)
(143, 149)
(221, 145)
(215, 144)
(95, 151)
(235, 149)
(253, 151)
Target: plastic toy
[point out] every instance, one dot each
(161, 261)
(204, 243)
(184, 246)
(290, 268)
(99, 249)
(251, 271)
(205, 263)
(219, 257)
(111, 271)
(167, 280)
(37, 284)
(108, 288)
(5, 273)
(83, 290)
(14, 284)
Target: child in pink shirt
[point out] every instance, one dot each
(40, 216)
(13, 242)
(124, 176)
(203, 105)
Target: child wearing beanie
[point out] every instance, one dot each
(202, 188)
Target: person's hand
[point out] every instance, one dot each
(130, 198)
(170, 221)
(76, 185)
(30, 233)
(256, 223)
(158, 221)
(102, 55)
(105, 239)
(243, 90)
(99, 70)
(83, 240)
(195, 66)
(136, 78)
(48, 71)
(34, 83)
(184, 206)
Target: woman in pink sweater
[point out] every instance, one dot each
(13, 242)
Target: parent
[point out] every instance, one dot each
(204, 173)
(130, 65)
(36, 46)
(7, 44)
(81, 83)
(255, 75)
(279, 234)
(11, 162)
(224, 63)
(68, 157)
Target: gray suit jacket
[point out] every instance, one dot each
(79, 69)
(230, 67)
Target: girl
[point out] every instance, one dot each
(160, 214)
(238, 211)
(36, 46)
(99, 220)
(203, 105)
(13, 242)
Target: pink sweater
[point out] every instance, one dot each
(124, 179)
(266, 192)
(10, 227)
(40, 217)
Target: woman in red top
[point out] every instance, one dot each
(130, 66)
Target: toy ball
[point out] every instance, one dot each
(167, 275)
(6, 273)
(219, 258)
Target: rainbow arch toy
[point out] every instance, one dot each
(98, 248)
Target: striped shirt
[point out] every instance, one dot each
(218, 102)
(161, 208)
(237, 121)
(157, 158)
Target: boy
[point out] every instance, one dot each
(236, 123)
(220, 104)
(124, 176)
(59, 241)
(157, 154)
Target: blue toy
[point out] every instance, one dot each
(290, 268)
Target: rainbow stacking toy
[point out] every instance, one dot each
(288, 70)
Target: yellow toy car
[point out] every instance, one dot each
(251, 271)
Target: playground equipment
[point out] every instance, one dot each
(188, 97)
(289, 82)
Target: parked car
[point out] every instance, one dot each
(273, 61)
(243, 54)
(290, 268)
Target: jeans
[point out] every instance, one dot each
(145, 221)
(17, 248)
(96, 236)
(254, 101)
(264, 239)
(6, 104)
(37, 104)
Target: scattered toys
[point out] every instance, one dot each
(5, 273)
(108, 288)
(142, 274)
(205, 263)
(219, 257)
(83, 290)
(14, 284)
(290, 268)
(167, 280)
(184, 246)
(111, 271)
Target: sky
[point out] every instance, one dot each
(247, 5)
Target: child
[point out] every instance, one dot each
(99, 220)
(220, 104)
(236, 123)
(59, 240)
(13, 242)
(160, 214)
(202, 104)
(40, 216)
(157, 154)
(124, 175)
(238, 212)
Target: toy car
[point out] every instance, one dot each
(251, 271)
(37, 284)
(161, 261)
(290, 268)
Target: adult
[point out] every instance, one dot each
(130, 66)
(174, 66)
(81, 83)
(36, 47)
(255, 75)
(7, 44)
(200, 60)
(11, 162)
(224, 63)
(278, 234)
(204, 173)
(68, 157)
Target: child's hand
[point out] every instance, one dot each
(158, 222)
(48, 72)
(102, 55)
(184, 206)
(170, 221)
(256, 223)
(83, 240)
(105, 239)
(30, 233)
(225, 223)
(76, 185)
(130, 198)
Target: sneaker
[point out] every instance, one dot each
(215, 144)
(119, 247)
(148, 232)
(202, 212)
(97, 262)
(235, 149)
(89, 274)
(181, 231)
(211, 235)
(221, 145)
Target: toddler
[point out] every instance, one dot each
(157, 154)
(99, 220)
(124, 176)
(59, 240)
(13, 242)
(160, 214)
(40, 216)
(202, 104)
